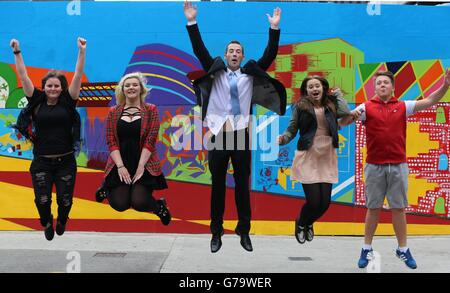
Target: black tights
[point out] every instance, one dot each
(136, 196)
(318, 196)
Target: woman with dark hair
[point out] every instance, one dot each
(52, 123)
(315, 162)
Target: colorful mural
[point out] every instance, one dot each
(160, 48)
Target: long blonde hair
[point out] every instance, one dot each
(120, 96)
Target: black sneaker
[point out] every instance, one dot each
(163, 212)
(101, 194)
(48, 231)
(60, 228)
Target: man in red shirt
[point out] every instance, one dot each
(386, 169)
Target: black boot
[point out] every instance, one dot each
(101, 193)
(60, 227)
(48, 231)
(163, 212)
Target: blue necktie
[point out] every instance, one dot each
(235, 106)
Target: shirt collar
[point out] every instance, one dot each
(238, 72)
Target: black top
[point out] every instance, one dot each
(53, 125)
(129, 137)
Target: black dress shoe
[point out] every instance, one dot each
(163, 212)
(48, 231)
(246, 243)
(60, 228)
(216, 242)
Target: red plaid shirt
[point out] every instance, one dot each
(149, 134)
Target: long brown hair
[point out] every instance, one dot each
(55, 74)
(305, 102)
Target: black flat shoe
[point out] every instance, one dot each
(300, 233)
(309, 233)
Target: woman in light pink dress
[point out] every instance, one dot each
(315, 161)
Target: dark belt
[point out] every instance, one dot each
(55, 159)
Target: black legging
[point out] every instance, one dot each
(318, 196)
(137, 196)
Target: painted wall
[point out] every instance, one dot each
(346, 46)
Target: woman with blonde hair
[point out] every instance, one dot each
(133, 169)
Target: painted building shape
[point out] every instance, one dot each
(166, 69)
(334, 59)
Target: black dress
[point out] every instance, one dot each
(129, 138)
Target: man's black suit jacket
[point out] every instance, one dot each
(267, 91)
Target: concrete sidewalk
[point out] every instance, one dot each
(23, 252)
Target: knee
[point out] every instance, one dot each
(65, 200)
(373, 212)
(119, 207)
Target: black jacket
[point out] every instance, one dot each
(305, 122)
(25, 120)
(267, 91)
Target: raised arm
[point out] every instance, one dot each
(75, 84)
(436, 96)
(274, 20)
(27, 85)
(199, 48)
(270, 53)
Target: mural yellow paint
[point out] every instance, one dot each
(418, 142)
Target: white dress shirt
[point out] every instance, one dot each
(219, 107)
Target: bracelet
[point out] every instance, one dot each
(17, 52)
(121, 166)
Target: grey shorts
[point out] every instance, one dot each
(390, 180)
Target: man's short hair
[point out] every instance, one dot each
(234, 42)
(385, 73)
